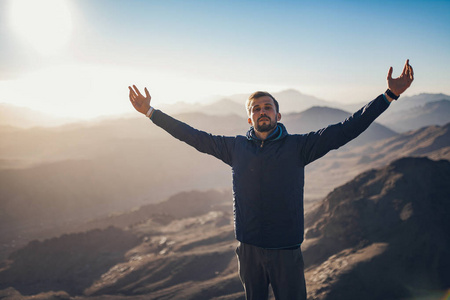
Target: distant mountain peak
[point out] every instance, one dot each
(290, 91)
(321, 109)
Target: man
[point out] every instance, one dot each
(268, 178)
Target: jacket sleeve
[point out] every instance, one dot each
(219, 146)
(319, 143)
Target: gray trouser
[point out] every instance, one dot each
(282, 269)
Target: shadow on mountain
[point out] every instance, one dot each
(71, 262)
(383, 235)
(178, 206)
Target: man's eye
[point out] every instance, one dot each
(256, 109)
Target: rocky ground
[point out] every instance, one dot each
(383, 235)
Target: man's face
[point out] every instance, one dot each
(263, 115)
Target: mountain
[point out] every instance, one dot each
(410, 102)
(223, 106)
(431, 141)
(69, 263)
(290, 101)
(22, 117)
(413, 112)
(337, 167)
(181, 250)
(382, 235)
(48, 199)
(293, 101)
(409, 113)
(178, 206)
(405, 102)
(431, 113)
(317, 117)
(52, 179)
(55, 178)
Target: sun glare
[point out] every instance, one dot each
(45, 24)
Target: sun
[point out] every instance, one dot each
(45, 25)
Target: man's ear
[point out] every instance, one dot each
(249, 120)
(278, 117)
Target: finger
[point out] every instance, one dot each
(411, 73)
(133, 102)
(389, 76)
(132, 93)
(147, 94)
(407, 72)
(137, 90)
(405, 67)
(132, 97)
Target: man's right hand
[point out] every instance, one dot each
(140, 103)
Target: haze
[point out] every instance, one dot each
(76, 58)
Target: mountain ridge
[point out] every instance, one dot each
(429, 113)
(400, 212)
(382, 235)
(290, 100)
(95, 165)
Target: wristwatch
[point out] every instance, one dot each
(391, 94)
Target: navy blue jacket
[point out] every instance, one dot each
(268, 177)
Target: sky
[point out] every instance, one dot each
(76, 58)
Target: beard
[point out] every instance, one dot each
(265, 127)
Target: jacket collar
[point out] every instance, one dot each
(279, 133)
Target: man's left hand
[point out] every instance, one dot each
(400, 84)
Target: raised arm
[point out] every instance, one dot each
(218, 146)
(334, 136)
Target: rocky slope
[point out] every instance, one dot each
(182, 248)
(340, 166)
(70, 262)
(431, 113)
(52, 179)
(382, 235)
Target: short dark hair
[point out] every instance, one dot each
(259, 94)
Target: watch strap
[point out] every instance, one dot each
(391, 94)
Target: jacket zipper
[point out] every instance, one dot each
(262, 144)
